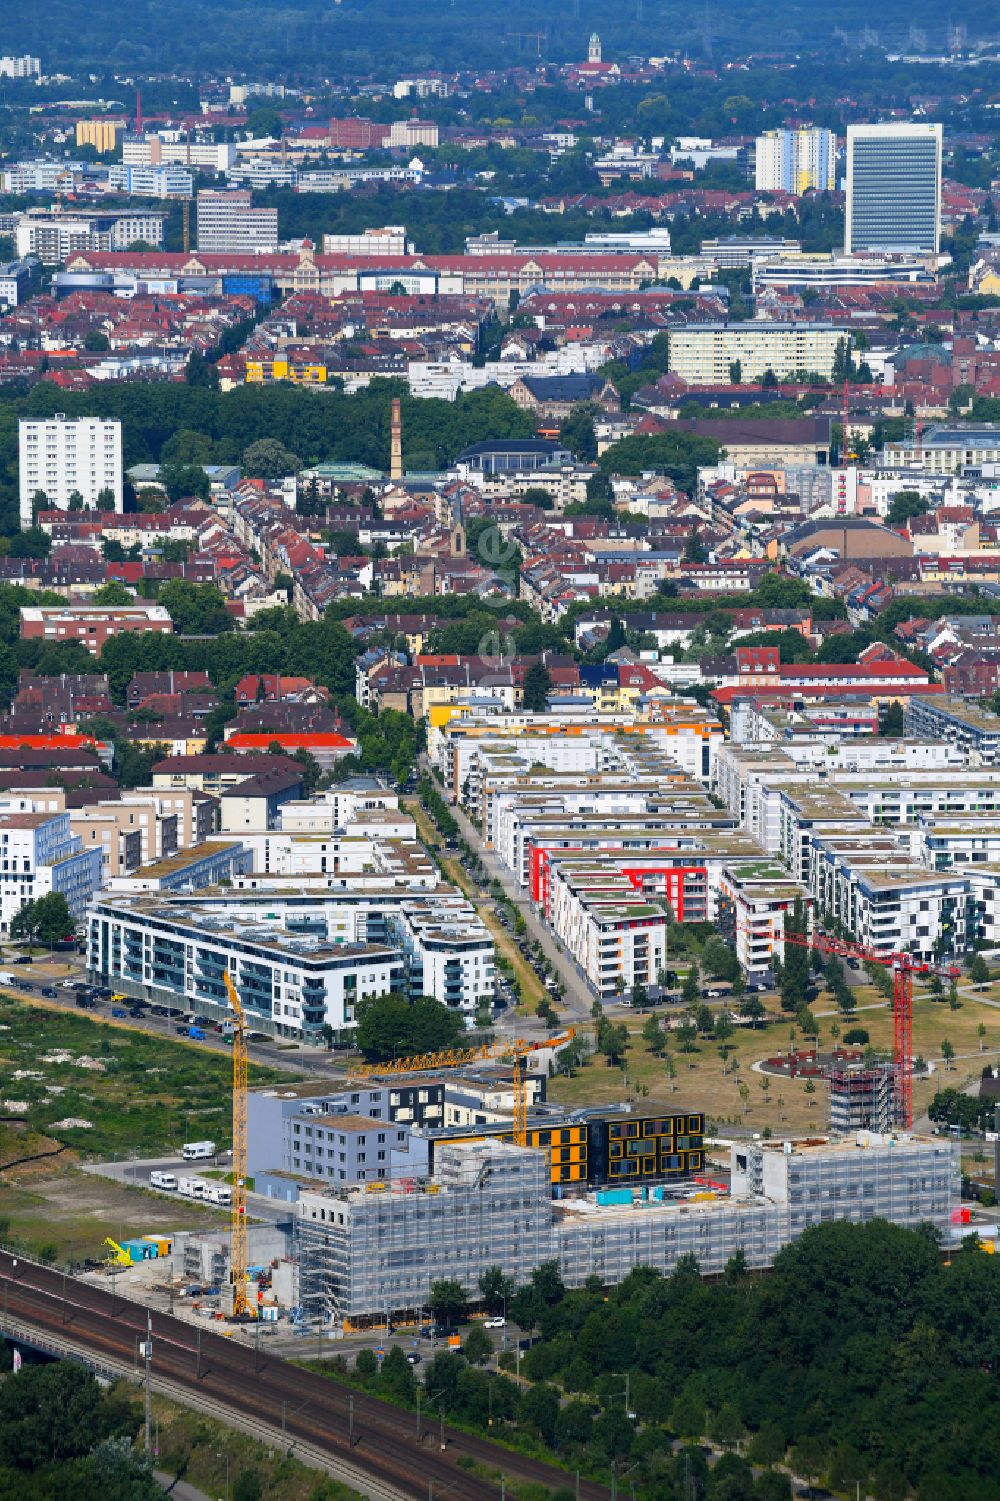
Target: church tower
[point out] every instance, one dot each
(594, 50)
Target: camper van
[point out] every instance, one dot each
(163, 1180)
(191, 1188)
(197, 1151)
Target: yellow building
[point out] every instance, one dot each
(101, 134)
(263, 372)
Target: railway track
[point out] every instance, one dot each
(349, 1432)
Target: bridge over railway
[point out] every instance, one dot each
(385, 1452)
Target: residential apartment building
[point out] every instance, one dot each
(92, 625)
(312, 955)
(894, 188)
(61, 456)
(291, 983)
(39, 854)
(709, 353)
(954, 448)
(56, 235)
(229, 223)
(20, 67)
(795, 161)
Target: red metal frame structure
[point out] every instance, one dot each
(904, 966)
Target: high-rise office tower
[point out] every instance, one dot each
(894, 188)
(793, 161)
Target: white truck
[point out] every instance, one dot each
(198, 1151)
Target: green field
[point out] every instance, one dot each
(700, 1082)
(135, 1094)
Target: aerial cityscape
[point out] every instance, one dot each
(499, 751)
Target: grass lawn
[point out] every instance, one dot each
(65, 1215)
(784, 1104)
(110, 1091)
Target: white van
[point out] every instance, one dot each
(221, 1194)
(163, 1180)
(196, 1151)
(191, 1188)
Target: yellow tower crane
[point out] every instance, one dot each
(516, 1047)
(238, 1245)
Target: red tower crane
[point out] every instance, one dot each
(904, 966)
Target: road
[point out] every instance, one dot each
(136, 1172)
(577, 998)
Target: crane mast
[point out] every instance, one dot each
(238, 1241)
(903, 967)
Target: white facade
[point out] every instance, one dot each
(228, 222)
(20, 67)
(390, 240)
(57, 236)
(60, 455)
(793, 161)
(40, 854)
(703, 353)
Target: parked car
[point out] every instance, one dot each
(498, 1322)
(119, 1012)
(51, 992)
(414, 1357)
(23, 959)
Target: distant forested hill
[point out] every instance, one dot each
(274, 37)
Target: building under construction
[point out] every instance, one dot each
(373, 1251)
(862, 1096)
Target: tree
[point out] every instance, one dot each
(726, 1427)
(536, 688)
(904, 505)
(691, 989)
(754, 1009)
(795, 960)
(199, 372)
(478, 1347)
(113, 592)
(249, 1486)
(47, 920)
(270, 460)
(652, 1036)
(947, 1050)
(195, 609)
(497, 1288)
(892, 723)
(577, 433)
(47, 1413)
(392, 1026)
(448, 1302)
(979, 971)
(807, 1460)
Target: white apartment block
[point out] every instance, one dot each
(793, 161)
(20, 67)
(228, 223)
(152, 182)
(40, 854)
(155, 150)
(61, 455)
(390, 240)
(704, 353)
(55, 237)
(300, 960)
